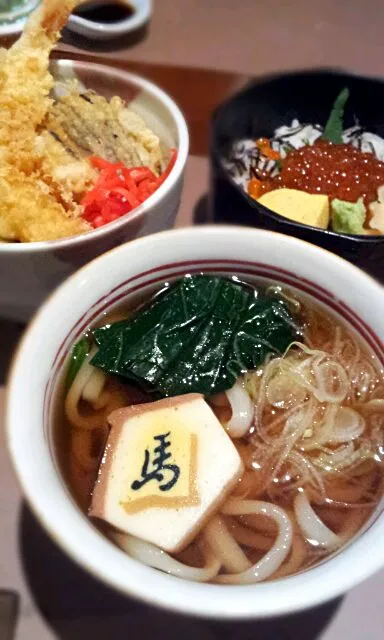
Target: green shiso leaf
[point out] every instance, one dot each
(333, 131)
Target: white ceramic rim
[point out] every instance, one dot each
(15, 27)
(152, 201)
(143, 11)
(71, 529)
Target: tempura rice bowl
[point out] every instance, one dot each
(30, 271)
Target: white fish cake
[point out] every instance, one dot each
(167, 466)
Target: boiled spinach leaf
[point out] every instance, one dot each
(78, 355)
(333, 130)
(196, 336)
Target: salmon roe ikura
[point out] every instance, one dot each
(337, 170)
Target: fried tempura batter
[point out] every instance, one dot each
(35, 204)
(106, 128)
(45, 143)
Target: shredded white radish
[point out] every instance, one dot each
(242, 411)
(274, 558)
(367, 142)
(295, 136)
(155, 557)
(312, 527)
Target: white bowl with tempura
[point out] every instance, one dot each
(72, 137)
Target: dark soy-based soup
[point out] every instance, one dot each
(224, 432)
(107, 13)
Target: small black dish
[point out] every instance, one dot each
(275, 100)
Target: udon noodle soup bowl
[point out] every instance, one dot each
(123, 274)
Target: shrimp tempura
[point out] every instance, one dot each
(25, 84)
(25, 81)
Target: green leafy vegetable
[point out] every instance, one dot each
(333, 131)
(78, 355)
(196, 336)
(348, 217)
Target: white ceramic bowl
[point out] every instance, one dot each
(106, 31)
(12, 22)
(137, 266)
(29, 271)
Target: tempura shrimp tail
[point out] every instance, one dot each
(49, 19)
(25, 81)
(25, 85)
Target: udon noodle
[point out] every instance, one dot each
(309, 427)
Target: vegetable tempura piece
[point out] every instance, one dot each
(29, 212)
(108, 129)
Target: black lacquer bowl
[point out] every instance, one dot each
(256, 112)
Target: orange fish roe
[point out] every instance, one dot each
(337, 170)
